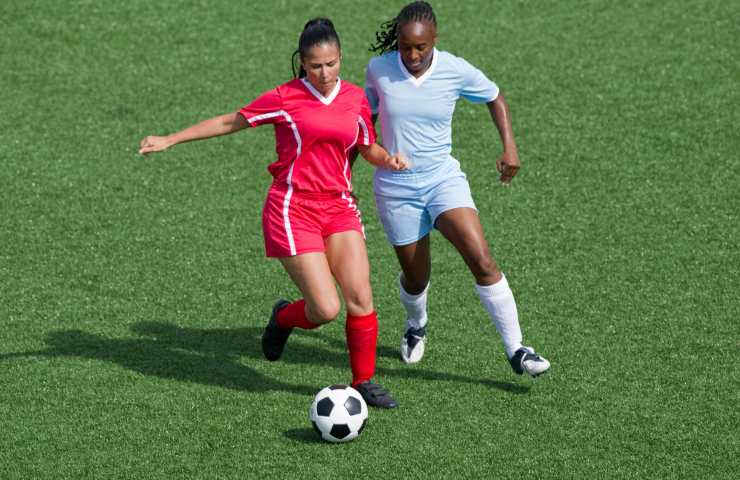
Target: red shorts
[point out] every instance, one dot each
(294, 223)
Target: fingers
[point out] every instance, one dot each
(507, 173)
(151, 144)
(145, 146)
(400, 162)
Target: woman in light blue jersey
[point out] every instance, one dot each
(413, 88)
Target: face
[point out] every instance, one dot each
(416, 42)
(322, 66)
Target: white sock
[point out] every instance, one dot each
(499, 301)
(415, 305)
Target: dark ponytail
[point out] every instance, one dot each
(386, 39)
(315, 32)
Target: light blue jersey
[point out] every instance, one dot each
(416, 115)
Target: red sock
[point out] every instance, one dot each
(362, 339)
(294, 315)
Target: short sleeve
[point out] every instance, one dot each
(267, 108)
(476, 88)
(367, 135)
(370, 91)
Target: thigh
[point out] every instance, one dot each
(462, 227)
(313, 277)
(347, 258)
(416, 264)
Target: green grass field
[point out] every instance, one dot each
(133, 290)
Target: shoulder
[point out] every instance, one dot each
(288, 87)
(350, 87)
(351, 91)
(382, 61)
(447, 58)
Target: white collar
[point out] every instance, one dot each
(418, 81)
(318, 95)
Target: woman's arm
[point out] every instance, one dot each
(378, 156)
(213, 127)
(509, 162)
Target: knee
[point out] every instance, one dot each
(359, 302)
(485, 270)
(324, 310)
(414, 284)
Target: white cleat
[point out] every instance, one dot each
(525, 360)
(412, 345)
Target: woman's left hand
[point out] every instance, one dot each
(508, 165)
(398, 162)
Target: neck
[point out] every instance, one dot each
(324, 90)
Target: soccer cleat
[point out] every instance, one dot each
(526, 360)
(412, 344)
(375, 395)
(274, 337)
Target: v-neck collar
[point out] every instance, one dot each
(318, 95)
(418, 81)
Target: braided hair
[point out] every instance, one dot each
(315, 32)
(387, 37)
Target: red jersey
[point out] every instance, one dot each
(313, 133)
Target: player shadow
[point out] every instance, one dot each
(414, 372)
(166, 359)
(223, 357)
(246, 342)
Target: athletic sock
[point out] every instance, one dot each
(362, 339)
(415, 305)
(294, 316)
(499, 302)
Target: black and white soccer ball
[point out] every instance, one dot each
(338, 413)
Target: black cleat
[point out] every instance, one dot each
(375, 395)
(525, 360)
(274, 337)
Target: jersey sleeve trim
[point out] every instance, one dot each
(254, 120)
(365, 131)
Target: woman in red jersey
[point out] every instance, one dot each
(310, 220)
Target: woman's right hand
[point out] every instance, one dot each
(153, 144)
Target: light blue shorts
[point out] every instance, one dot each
(409, 218)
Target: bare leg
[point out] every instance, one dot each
(461, 226)
(313, 277)
(416, 264)
(347, 259)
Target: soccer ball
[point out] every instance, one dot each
(338, 413)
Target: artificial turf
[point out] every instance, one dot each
(133, 290)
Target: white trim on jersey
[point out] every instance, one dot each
(318, 95)
(346, 160)
(288, 180)
(365, 132)
(418, 81)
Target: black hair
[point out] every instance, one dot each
(315, 32)
(387, 37)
